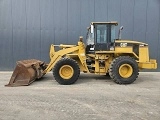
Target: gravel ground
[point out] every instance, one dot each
(92, 97)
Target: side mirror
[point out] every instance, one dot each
(92, 28)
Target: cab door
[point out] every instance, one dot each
(102, 35)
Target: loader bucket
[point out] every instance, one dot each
(26, 72)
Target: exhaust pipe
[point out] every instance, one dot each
(119, 32)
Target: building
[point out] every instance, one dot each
(28, 27)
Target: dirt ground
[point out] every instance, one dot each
(92, 97)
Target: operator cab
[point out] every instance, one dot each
(101, 37)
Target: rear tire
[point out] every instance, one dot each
(66, 71)
(124, 70)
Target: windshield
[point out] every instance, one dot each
(101, 33)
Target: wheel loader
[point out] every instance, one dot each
(102, 54)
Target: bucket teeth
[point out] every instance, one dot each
(26, 72)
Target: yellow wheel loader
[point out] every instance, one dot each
(101, 55)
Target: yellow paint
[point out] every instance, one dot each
(73, 51)
(127, 49)
(152, 64)
(57, 56)
(143, 54)
(130, 41)
(66, 72)
(125, 70)
(82, 56)
(102, 63)
(52, 51)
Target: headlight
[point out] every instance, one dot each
(123, 44)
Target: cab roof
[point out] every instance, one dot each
(112, 22)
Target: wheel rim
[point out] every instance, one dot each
(125, 70)
(66, 71)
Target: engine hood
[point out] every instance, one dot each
(131, 42)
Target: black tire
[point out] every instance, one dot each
(129, 64)
(72, 65)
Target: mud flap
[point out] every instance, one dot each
(26, 72)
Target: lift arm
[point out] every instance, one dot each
(56, 56)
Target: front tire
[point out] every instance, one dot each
(123, 70)
(66, 71)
